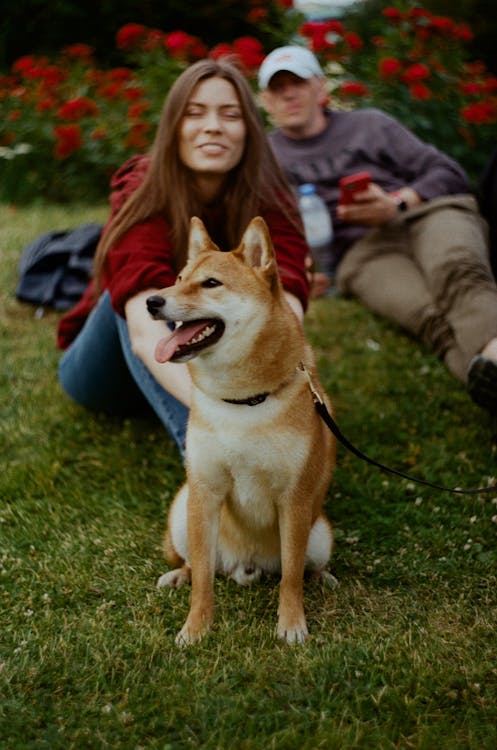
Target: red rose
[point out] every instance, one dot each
(153, 40)
(111, 91)
(354, 41)
(53, 75)
(183, 46)
(470, 89)
(420, 91)
(69, 139)
(464, 33)
(443, 25)
(336, 27)
(389, 67)
(136, 110)
(178, 44)
(221, 50)
(320, 43)
(132, 93)
(78, 51)
(198, 50)
(415, 73)
(353, 88)
(76, 109)
(249, 50)
(120, 74)
(310, 28)
(130, 36)
(24, 63)
(392, 14)
(480, 113)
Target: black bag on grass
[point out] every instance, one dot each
(55, 269)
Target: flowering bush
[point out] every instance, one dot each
(417, 71)
(76, 122)
(66, 124)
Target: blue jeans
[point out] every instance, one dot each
(101, 372)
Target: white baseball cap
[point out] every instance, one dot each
(297, 60)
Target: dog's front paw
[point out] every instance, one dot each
(292, 632)
(193, 630)
(186, 637)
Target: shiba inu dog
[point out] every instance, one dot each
(259, 458)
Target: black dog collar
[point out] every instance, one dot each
(250, 401)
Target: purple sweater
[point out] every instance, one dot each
(366, 139)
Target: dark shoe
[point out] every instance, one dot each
(482, 382)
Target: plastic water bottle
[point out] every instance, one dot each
(318, 228)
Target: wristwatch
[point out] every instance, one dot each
(401, 203)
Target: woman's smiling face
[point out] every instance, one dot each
(212, 132)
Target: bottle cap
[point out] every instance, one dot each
(307, 188)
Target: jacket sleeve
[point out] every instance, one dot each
(140, 259)
(291, 251)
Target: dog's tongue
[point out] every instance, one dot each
(168, 346)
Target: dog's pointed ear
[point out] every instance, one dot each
(199, 240)
(256, 247)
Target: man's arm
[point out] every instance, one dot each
(374, 206)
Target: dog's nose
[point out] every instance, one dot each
(155, 303)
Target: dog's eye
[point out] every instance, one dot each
(210, 283)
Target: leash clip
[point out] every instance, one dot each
(316, 396)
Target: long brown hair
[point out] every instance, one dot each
(167, 188)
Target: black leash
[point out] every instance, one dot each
(332, 425)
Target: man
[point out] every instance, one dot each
(412, 246)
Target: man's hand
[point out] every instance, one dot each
(374, 207)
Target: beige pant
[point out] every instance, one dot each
(428, 271)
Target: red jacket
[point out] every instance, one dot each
(143, 257)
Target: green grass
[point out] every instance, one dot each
(402, 655)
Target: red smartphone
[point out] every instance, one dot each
(352, 184)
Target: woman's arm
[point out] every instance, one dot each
(144, 334)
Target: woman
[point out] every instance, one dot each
(211, 159)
